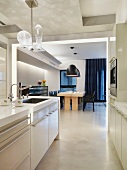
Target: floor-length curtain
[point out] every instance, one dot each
(95, 78)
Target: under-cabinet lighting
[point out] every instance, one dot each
(29, 65)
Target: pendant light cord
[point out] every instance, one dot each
(32, 21)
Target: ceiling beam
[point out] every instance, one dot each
(9, 29)
(84, 35)
(99, 20)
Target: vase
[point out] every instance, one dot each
(43, 84)
(39, 83)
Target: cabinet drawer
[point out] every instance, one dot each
(53, 106)
(39, 141)
(25, 164)
(53, 126)
(39, 113)
(14, 129)
(12, 153)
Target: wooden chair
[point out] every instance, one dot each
(88, 98)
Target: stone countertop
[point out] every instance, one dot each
(11, 113)
(122, 107)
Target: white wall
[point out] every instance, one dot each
(121, 15)
(28, 74)
(112, 49)
(80, 64)
(52, 78)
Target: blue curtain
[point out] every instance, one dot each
(95, 79)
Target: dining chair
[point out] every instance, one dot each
(51, 93)
(88, 98)
(55, 93)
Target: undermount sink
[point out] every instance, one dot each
(33, 100)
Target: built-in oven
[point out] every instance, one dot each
(113, 78)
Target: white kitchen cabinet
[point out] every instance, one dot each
(44, 129)
(118, 132)
(25, 165)
(124, 142)
(53, 125)
(39, 140)
(112, 123)
(12, 153)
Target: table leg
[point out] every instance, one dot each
(74, 103)
(66, 103)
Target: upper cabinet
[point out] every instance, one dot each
(3, 73)
(121, 54)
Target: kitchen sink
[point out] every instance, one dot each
(33, 100)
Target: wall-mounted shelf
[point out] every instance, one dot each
(36, 91)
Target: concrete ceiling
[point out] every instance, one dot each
(90, 8)
(60, 17)
(84, 50)
(57, 16)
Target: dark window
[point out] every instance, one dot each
(67, 83)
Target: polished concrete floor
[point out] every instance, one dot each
(84, 143)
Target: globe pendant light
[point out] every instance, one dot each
(25, 38)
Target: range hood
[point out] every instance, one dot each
(40, 59)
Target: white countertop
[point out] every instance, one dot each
(11, 113)
(122, 107)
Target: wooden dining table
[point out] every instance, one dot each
(71, 95)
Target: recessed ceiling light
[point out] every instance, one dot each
(72, 47)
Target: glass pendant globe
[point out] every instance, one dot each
(24, 38)
(38, 36)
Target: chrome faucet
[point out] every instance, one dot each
(11, 94)
(19, 91)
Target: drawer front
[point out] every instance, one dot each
(53, 126)
(14, 129)
(53, 106)
(25, 165)
(40, 113)
(39, 141)
(15, 122)
(14, 152)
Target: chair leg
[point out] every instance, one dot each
(93, 106)
(84, 105)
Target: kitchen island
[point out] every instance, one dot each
(28, 130)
